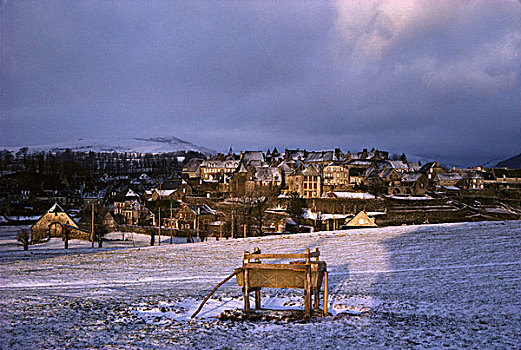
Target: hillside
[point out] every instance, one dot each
(122, 144)
(511, 163)
(429, 286)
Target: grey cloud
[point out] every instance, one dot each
(424, 79)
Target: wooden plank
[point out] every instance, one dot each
(307, 299)
(257, 299)
(325, 293)
(275, 267)
(246, 291)
(282, 256)
(275, 256)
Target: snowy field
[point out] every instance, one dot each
(430, 286)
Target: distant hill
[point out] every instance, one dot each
(129, 144)
(511, 163)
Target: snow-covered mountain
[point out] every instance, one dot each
(163, 144)
(513, 162)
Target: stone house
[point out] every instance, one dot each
(212, 170)
(502, 178)
(432, 169)
(336, 175)
(448, 180)
(194, 216)
(170, 190)
(386, 181)
(192, 169)
(413, 183)
(263, 180)
(132, 212)
(306, 182)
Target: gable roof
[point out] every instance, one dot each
(201, 209)
(320, 156)
(267, 174)
(56, 208)
(411, 177)
(249, 156)
(310, 170)
(361, 219)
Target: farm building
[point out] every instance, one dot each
(50, 224)
(360, 220)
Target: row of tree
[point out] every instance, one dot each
(113, 163)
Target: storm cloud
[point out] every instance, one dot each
(438, 80)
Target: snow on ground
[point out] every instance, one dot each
(429, 286)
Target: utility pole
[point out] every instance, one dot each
(197, 221)
(233, 225)
(171, 232)
(159, 225)
(92, 227)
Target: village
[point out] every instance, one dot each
(252, 193)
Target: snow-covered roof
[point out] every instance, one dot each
(311, 171)
(201, 209)
(321, 156)
(353, 195)
(411, 177)
(131, 193)
(228, 164)
(56, 209)
(268, 174)
(397, 164)
(165, 193)
(449, 177)
(250, 156)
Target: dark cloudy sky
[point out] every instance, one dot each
(438, 79)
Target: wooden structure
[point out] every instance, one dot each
(50, 224)
(307, 274)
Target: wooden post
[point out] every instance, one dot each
(92, 227)
(316, 290)
(197, 222)
(256, 250)
(159, 224)
(325, 292)
(66, 236)
(307, 299)
(171, 232)
(233, 226)
(257, 299)
(245, 230)
(246, 285)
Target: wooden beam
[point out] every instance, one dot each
(307, 298)
(246, 291)
(257, 299)
(275, 267)
(325, 293)
(284, 256)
